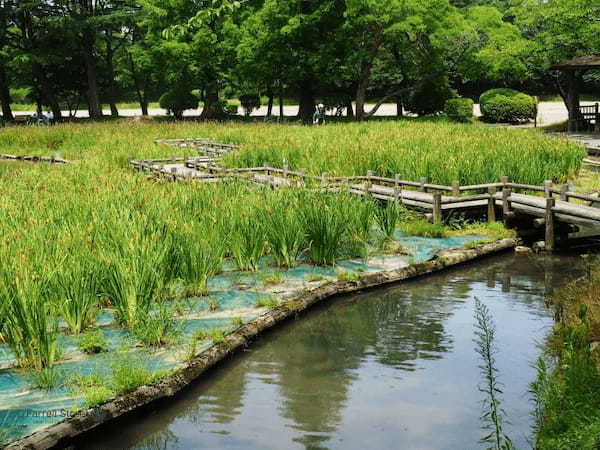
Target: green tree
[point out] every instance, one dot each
(297, 44)
(558, 30)
(6, 10)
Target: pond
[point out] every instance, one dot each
(389, 368)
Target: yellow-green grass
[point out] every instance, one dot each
(440, 151)
(97, 226)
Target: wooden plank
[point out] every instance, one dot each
(571, 209)
(550, 238)
(478, 187)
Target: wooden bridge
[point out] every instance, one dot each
(549, 205)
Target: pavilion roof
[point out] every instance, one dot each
(579, 63)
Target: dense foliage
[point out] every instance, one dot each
(177, 101)
(66, 54)
(567, 392)
(507, 106)
(459, 109)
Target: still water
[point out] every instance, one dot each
(394, 368)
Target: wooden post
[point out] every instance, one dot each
(550, 238)
(563, 192)
(267, 168)
(173, 159)
(504, 180)
(302, 175)
(174, 173)
(397, 188)
(596, 118)
(548, 188)
(505, 202)
(491, 210)
(324, 177)
(369, 183)
(285, 170)
(423, 183)
(437, 207)
(456, 188)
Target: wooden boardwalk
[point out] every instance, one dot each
(549, 205)
(44, 159)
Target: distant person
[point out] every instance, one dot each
(319, 116)
(43, 120)
(50, 116)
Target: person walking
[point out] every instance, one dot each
(319, 115)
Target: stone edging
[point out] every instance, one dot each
(61, 434)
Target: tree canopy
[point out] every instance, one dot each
(68, 53)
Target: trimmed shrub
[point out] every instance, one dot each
(249, 103)
(507, 106)
(459, 109)
(177, 100)
(430, 98)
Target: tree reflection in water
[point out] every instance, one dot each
(399, 361)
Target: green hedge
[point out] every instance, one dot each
(459, 109)
(507, 106)
(177, 100)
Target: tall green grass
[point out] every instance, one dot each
(27, 324)
(73, 293)
(567, 388)
(95, 233)
(285, 233)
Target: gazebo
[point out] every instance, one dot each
(574, 69)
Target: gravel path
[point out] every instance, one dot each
(549, 112)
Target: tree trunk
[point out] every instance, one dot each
(306, 107)
(349, 109)
(399, 107)
(114, 111)
(365, 75)
(281, 104)
(572, 99)
(270, 104)
(47, 93)
(144, 106)
(93, 92)
(112, 87)
(212, 108)
(5, 94)
(140, 88)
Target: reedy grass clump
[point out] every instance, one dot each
(73, 292)
(199, 257)
(266, 302)
(423, 228)
(284, 229)
(28, 326)
(92, 342)
(156, 326)
(336, 225)
(388, 216)
(137, 269)
(247, 241)
(46, 379)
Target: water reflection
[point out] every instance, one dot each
(385, 369)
